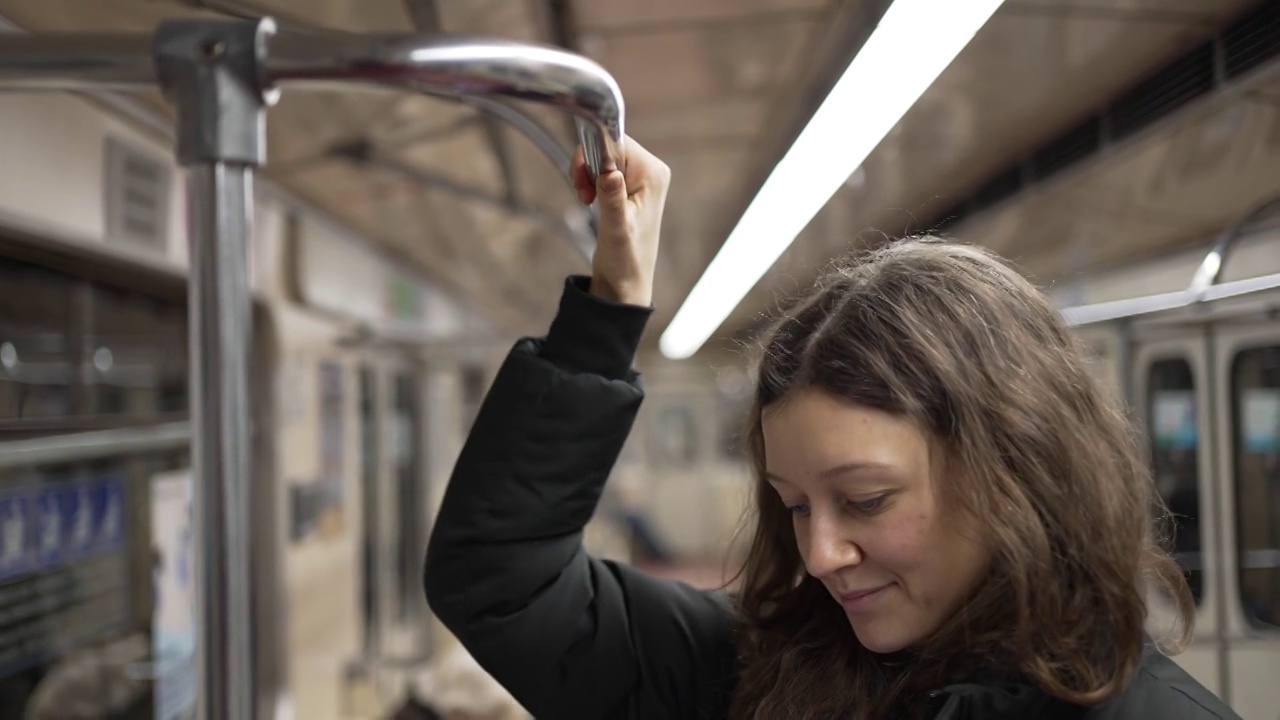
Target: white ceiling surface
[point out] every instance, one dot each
(709, 85)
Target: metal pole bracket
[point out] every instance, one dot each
(213, 73)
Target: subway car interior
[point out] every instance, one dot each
(260, 261)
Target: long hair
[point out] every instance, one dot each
(954, 340)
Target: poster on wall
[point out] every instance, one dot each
(1261, 420)
(173, 635)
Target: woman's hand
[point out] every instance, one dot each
(630, 221)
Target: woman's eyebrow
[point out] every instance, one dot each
(832, 472)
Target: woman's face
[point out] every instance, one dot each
(868, 524)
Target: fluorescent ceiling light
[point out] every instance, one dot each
(913, 43)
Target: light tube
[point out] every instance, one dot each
(913, 43)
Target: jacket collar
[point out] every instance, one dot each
(996, 698)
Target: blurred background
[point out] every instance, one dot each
(1125, 153)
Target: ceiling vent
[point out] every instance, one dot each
(137, 197)
(1066, 149)
(1186, 79)
(1245, 45)
(1251, 41)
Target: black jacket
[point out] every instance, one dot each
(575, 637)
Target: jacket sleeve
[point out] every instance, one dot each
(569, 635)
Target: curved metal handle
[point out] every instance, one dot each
(458, 67)
(1210, 268)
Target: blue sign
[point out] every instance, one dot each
(49, 526)
(53, 510)
(15, 536)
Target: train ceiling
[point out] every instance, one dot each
(719, 88)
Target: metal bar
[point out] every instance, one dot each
(526, 124)
(93, 445)
(449, 66)
(1238, 288)
(543, 140)
(1210, 269)
(1130, 307)
(457, 67)
(221, 332)
(1203, 287)
(1164, 302)
(76, 61)
(425, 16)
(212, 72)
(579, 235)
(219, 77)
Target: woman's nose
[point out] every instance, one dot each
(828, 550)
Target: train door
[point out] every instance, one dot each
(1247, 415)
(1171, 389)
(370, 468)
(408, 469)
(394, 498)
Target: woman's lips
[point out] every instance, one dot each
(862, 600)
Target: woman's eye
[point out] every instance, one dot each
(867, 506)
(798, 509)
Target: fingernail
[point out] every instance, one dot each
(612, 182)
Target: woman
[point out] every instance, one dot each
(953, 519)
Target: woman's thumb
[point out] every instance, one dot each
(612, 192)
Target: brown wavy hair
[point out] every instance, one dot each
(952, 338)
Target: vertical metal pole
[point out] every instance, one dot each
(211, 72)
(221, 331)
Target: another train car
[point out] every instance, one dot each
(1202, 377)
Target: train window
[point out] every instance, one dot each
(95, 566)
(76, 355)
(135, 354)
(410, 497)
(1255, 391)
(1174, 437)
(36, 368)
(96, 551)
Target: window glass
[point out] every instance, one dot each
(1255, 381)
(36, 368)
(77, 355)
(96, 554)
(1174, 435)
(135, 356)
(89, 573)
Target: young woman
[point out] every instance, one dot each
(953, 519)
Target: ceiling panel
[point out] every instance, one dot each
(705, 82)
(627, 16)
(1034, 70)
(1175, 187)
